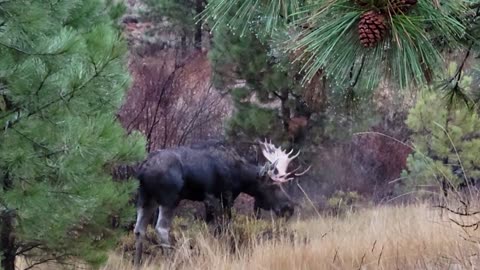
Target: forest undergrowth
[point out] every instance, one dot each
(417, 236)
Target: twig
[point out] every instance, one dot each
(309, 200)
(473, 225)
(374, 243)
(22, 251)
(385, 135)
(361, 262)
(335, 256)
(380, 256)
(456, 212)
(456, 153)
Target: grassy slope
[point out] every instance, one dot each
(408, 237)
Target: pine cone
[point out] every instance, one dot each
(401, 6)
(371, 28)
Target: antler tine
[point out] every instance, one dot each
(290, 173)
(302, 173)
(294, 156)
(284, 180)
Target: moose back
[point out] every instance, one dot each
(215, 175)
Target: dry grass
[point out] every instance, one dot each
(406, 237)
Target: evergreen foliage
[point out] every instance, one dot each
(446, 141)
(249, 59)
(179, 12)
(323, 35)
(177, 17)
(273, 93)
(62, 78)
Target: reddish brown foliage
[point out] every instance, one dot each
(296, 126)
(368, 164)
(172, 100)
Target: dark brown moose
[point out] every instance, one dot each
(215, 175)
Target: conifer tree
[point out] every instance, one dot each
(249, 59)
(180, 16)
(272, 101)
(446, 141)
(62, 78)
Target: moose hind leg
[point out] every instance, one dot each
(165, 215)
(143, 216)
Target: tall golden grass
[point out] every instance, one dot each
(387, 237)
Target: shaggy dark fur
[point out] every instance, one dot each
(211, 173)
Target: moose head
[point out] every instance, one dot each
(272, 176)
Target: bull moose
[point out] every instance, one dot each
(214, 175)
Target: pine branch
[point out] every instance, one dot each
(459, 72)
(53, 102)
(31, 53)
(328, 39)
(456, 90)
(283, 98)
(30, 139)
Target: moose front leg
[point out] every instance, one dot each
(257, 211)
(227, 204)
(212, 206)
(164, 221)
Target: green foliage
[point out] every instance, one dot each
(267, 74)
(177, 17)
(180, 12)
(323, 36)
(249, 58)
(62, 79)
(243, 16)
(446, 143)
(251, 121)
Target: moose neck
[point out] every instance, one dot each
(250, 183)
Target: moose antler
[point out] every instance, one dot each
(282, 159)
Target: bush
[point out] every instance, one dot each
(446, 144)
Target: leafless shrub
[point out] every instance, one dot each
(172, 100)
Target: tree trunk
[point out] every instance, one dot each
(285, 110)
(7, 236)
(7, 240)
(198, 28)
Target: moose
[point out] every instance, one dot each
(213, 175)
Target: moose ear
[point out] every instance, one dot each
(263, 170)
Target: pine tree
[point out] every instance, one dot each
(446, 141)
(180, 16)
(266, 81)
(62, 78)
(272, 102)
